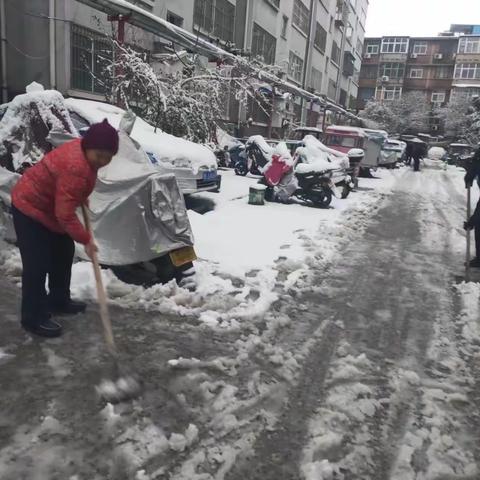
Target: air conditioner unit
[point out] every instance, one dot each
(438, 56)
(385, 78)
(414, 55)
(368, 55)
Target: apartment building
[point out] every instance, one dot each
(440, 67)
(316, 44)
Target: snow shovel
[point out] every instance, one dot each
(469, 213)
(122, 387)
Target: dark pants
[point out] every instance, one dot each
(416, 164)
(475, 220)
(44, 253)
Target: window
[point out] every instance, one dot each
(263, 44)
(284, 26)
(373, 48)
(420, 48)
(341, 141)
(392, 70)
(316, 79)
(416, 73)
(320, 38)
(215, 17)
(394, 45)
(467, 71)
(366, 94)
(390, 93)
(91, 51)
(469, 45)
(335, 53)
(175, 19)
(443, 72)
(301, 16)
(466, 92)
(295, 67)
(438, 97)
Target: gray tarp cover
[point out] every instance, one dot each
(138, 213)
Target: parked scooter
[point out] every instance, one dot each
(253, 159)
(284, 181)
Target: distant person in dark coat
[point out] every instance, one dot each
(473, 172)
(418, 151)
(408, 154)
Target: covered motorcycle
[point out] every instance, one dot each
(255, 157)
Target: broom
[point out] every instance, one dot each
(122, 386)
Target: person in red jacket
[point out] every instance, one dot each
(44, 204)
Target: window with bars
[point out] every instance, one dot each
(392, 70)
(215, 17)
(469, 45)
(336, 53)
(467, 71)
(90, 53)
(320, 38)
(316, 79)
(301, 16)
(295, 67)
(263, 44)
(394, 45)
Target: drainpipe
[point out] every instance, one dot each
(3, 49)
(308, 52)
(342, 53)
(53, 46)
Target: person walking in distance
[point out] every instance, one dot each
(44, 204)
(473, 223)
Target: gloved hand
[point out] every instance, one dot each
(468, 225)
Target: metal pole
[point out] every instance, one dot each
(3, 39)
(306, 63)
(53, 46)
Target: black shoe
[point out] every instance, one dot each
(475, 263)
(72, 307)
(46, 328)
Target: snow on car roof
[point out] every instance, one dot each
(166, 147)
(460, 145)
(343, 128)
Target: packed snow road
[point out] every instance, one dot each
(359, 363)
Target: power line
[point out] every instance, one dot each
(26, 55)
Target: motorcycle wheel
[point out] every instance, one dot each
(320, 198)
(345, 191)
(241, 169)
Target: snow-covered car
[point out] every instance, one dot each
(194, 165)
(138, 212)
(396, 146)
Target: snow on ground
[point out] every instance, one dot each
(243, 248)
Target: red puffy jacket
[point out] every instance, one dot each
(52, 190)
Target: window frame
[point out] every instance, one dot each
(375, 45)
(418, 51)
(464, 42)
(317, 75)
(301, 14)
(462, 67)
(392, 70)
(396, 91)
(416, 70)
(442, 93)
(398, 45)
(295, 63)
(260, 33)
(320, 32)
(210, 23)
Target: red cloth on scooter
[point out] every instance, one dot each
(276, 171)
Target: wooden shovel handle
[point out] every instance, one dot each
(101, 295)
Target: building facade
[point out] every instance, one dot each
(316, 44)
(439, 67)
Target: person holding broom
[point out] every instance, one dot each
(44, 204)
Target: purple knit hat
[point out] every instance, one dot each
(101, 136)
